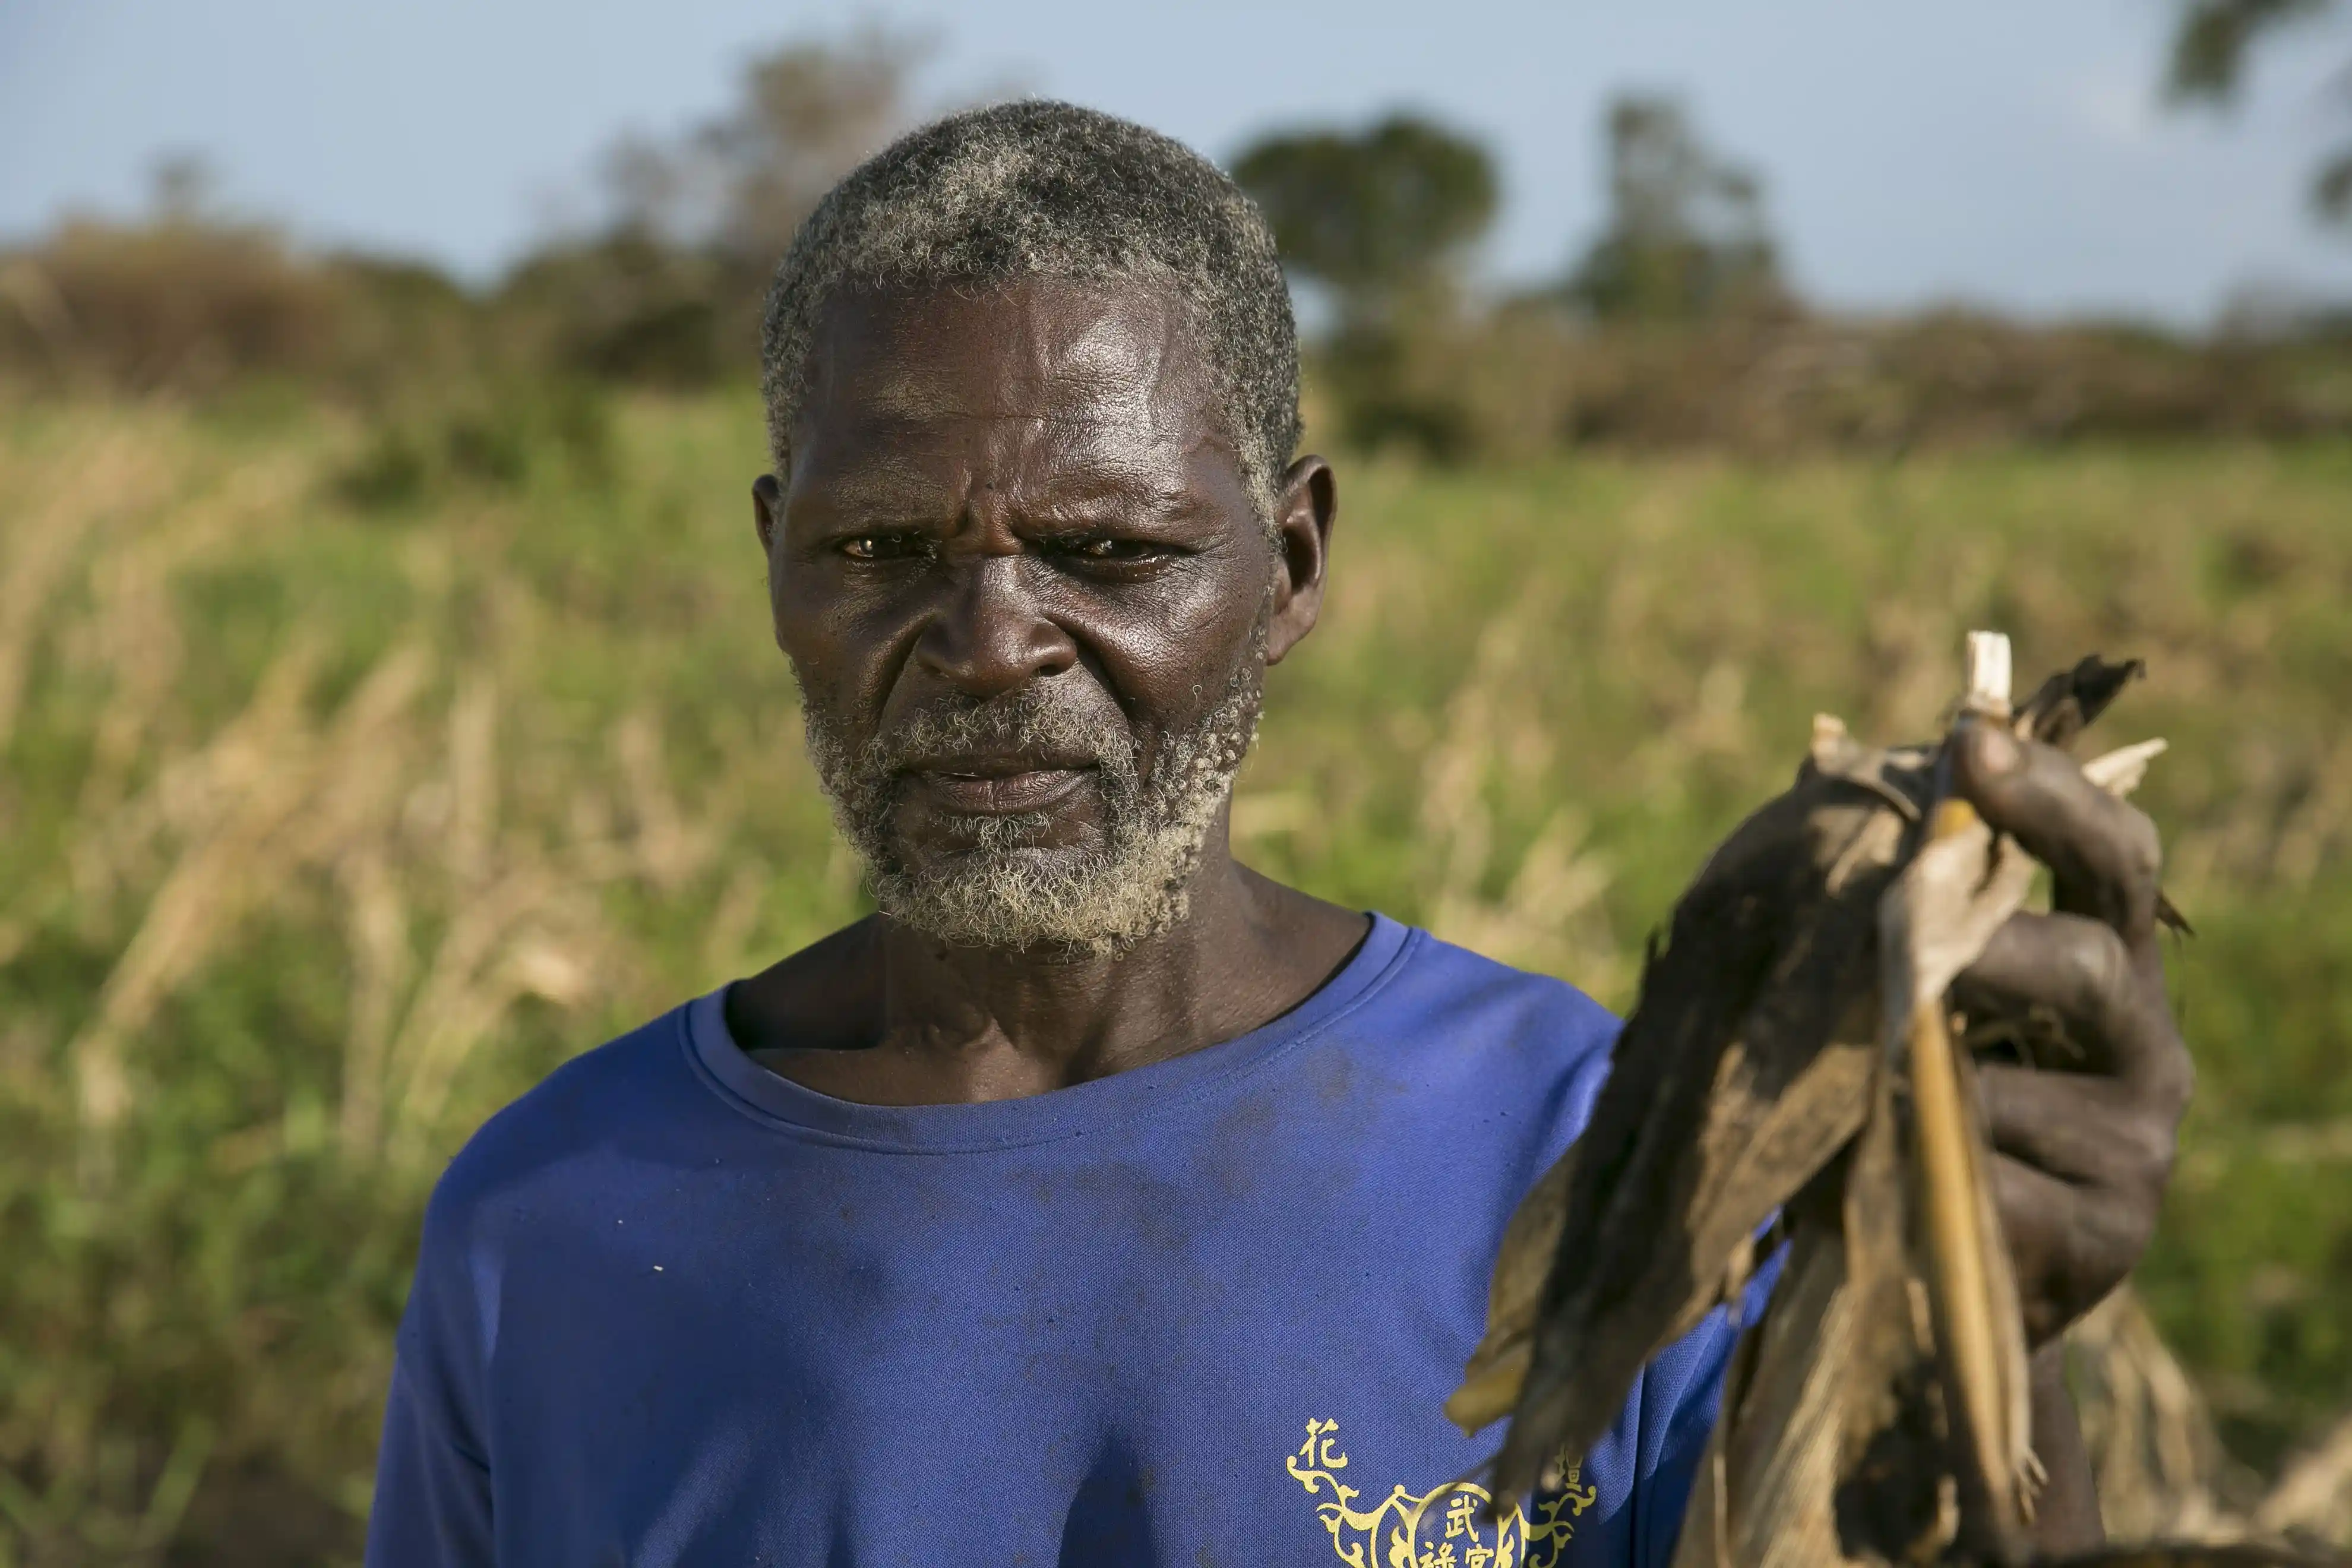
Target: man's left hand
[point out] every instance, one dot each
(2083, 1140)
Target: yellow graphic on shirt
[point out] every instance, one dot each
(1444, 1527)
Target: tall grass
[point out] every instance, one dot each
(334, 812)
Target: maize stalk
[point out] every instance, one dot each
(1791, 1058)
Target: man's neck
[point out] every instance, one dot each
(885, 1014)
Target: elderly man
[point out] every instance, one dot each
(1098, 1200)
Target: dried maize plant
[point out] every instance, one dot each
(1792, 1061)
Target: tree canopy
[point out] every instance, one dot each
(1685, 237)
(2210, 47)
(671, 288)
(1374, 213)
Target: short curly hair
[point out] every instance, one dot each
(1037, 188)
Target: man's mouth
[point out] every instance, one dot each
(996, 785)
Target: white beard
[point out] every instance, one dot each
(1004, 891)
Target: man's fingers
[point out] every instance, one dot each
(2078, 1175)
(2078, 973)
(2069, 1250)
(2072, 969)
(2036, 1217)
(2080, 1158)
(2089, 1131)
(2102, 852)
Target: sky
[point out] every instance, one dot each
(2010, 153)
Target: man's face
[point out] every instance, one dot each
(1019, 577)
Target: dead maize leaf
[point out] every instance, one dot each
(1743, 1069)
(1790, 1052)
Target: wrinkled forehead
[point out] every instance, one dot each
(1116, 359)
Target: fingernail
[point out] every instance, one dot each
(1997, 751)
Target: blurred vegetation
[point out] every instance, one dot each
(671, 290)
(667, 290)
(1381, 221)
(334, 812)
(1686, 239)
(1377, 218)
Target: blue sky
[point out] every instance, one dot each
(2001, 151)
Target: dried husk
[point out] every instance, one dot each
(1776, 1061)
(1745, 1067)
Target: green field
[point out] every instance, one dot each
(352, 776)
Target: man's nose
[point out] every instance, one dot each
(990, 638)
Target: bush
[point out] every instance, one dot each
(1531, 378)
(170, 305)
(499, 440)
(197, 309)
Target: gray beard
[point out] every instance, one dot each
(1004, 891)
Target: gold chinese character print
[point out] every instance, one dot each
(1446, 1526)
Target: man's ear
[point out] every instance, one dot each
(767, 509)
(1308, 506)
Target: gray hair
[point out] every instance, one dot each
(1037, 188)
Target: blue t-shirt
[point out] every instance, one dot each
(673, 1309)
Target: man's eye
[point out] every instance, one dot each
(881, 546)
(1104, 547)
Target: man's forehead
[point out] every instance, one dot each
(1117, 351)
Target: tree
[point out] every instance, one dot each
(1377, 215)
(1381, 217)
(810, 113)
(672, 287)
(181, 187)
(1685, 235)
(2210, 51)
